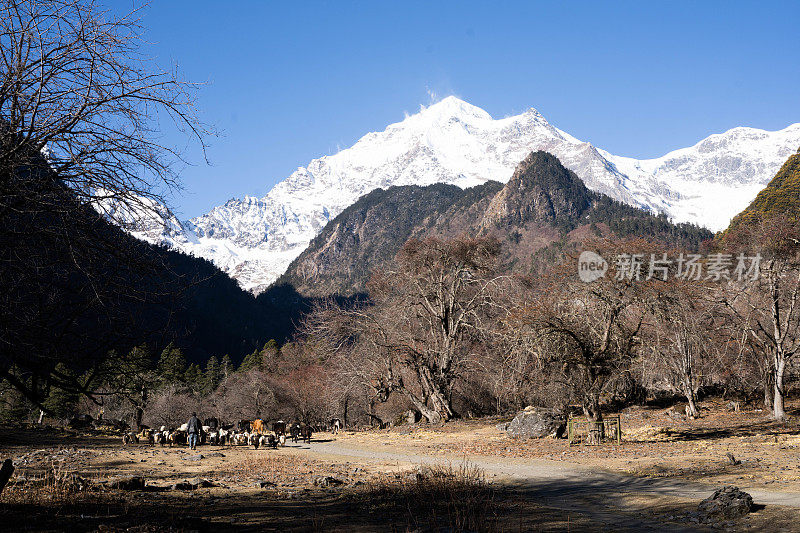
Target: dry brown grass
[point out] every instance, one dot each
(453, 498)
(276, 469)
(55, 485)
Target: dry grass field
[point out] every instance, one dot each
(65, 480)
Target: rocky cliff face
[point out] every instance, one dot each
(541, 191)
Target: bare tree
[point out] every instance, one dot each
(588, 331)
(424, 324)
(681, 336)
(243, 395)
(767, 307)
(76, 85)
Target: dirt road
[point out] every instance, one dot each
(599, 494)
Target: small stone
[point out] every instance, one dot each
(183, 485)
(193, 457)
(201, 483)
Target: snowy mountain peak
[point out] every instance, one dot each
(452, 107)
(452, 141)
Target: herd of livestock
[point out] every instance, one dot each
(256, 433)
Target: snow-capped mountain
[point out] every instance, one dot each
(255, 239)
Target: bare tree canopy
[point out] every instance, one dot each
(76, 86)
(426, 323)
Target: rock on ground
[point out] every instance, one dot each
(128, 483)
(537, 422)
(327, 481)
(726, 503)
(192, 484)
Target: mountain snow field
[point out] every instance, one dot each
(451, 141)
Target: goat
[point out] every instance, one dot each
(176, 437)
(147, 434)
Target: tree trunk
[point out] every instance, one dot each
(41, 417)
(137, 416)
(596, 428)
(5, 473)
(432, 416)
(691, 397)
(778, 412)
(435, 400)
(692, 411)
(768, 392)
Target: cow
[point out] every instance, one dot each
(212, 423)
(257, 426)
(268, 440)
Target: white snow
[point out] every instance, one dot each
(451, 141)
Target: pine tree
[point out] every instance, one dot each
(61, 403)
(269, 356)
(212, 376)
(193, 377)
(226, 367)
(132, 377)
(251, 361)
(172, 365)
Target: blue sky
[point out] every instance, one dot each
(291, 81)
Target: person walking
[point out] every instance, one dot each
(193, 428)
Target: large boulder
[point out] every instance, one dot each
(726, 503)
(537, 422)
